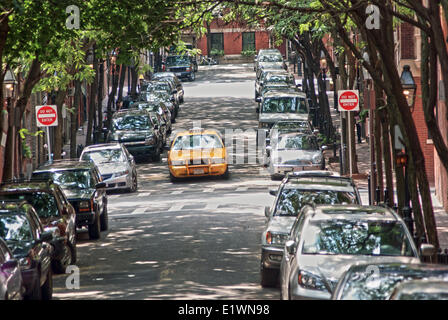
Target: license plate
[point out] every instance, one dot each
(198, 171)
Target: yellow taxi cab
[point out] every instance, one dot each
(196, 153)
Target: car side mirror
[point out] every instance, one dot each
(10, 264)
(267, 212)
(46, 236)
(131, 158)
(291, 247)
(100, 185)
(323, 148)
(258, 99)
(427, 250)
(273, 192)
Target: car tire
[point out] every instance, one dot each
(192, 76)
(36, 293)
(104, 219)
(74, 251)
(134, 186)
(95, 228)
(47, 288)
(173, 178)
(226, 175)
(268, 278)
(60, 266)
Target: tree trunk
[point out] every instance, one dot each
(121, 82)
(100, 95)
(113, 92)
(92, 107)
(74, 120)
(57, 146)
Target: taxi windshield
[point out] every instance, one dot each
(203, 141)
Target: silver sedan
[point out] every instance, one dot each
(115, 163)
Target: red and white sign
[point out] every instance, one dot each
(348, 100)
(47, 116)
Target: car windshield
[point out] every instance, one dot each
(104, 155)
(15, 228)
(44, 203)
(425, 296)
(158, 86)
(284, 105)
(361, 285)
(278, 78)
(177, 60)
(271, 58)
(204, 141)
(307, 143)
(291, 200)
(132, 122)
(356, 237)
(69, 179)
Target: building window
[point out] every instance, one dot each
(216, 41)
(248, 41)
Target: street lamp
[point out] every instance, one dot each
(9, 83)
(409, 86)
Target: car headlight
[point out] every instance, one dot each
(276, 238)
(311, 281)
(25, 263)
(84, 204)
(317, 158)
(122, 173)
(178, 163)
(150, 140)
(218, 160)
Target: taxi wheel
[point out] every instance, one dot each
(226, 174)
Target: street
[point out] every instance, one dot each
(195, 239)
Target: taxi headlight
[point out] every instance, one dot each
(218, 160)
(178, 163)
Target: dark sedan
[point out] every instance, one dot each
(83, 187)
(30, 245)
(55, 213)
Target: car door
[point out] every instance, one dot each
(13, 277)
(43, 250)
(289, 260)
(67, 214)
(100, 197)
(130, 160)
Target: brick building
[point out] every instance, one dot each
(233, 38)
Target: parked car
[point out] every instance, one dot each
(133, 128)
(181, 65)
(159, 96)
(290, 126)
(377, 281)
(326, 240)
(30, 245)
(294, 152)
(11, 283)
(82, 184)
(177, 83)
(115, 163)
(273, 79)
(296, 191)
(161, 109)
(268, 56)
(165, 87)
(56, 215)
(277, 105)
(197, 152)
(421, 290)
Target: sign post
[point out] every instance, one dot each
(348, 101)
(47, 116)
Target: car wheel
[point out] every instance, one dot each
(36, 293)
(269, 278)
(47, 288)
(173, 178)
(104, 219)
(134, 183)
(61, 265)
(95, 228)
(226, 175)
(74, 251)
(192, 76)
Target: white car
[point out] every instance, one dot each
(115, 163)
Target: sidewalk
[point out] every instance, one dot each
(363, 153)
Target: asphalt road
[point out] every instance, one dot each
(196, 239)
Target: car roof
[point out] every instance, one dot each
(72, 164)
(111, 145)
(352, 211)
(31, 185)
(284, 94)
(131, 111)
(337, 184)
